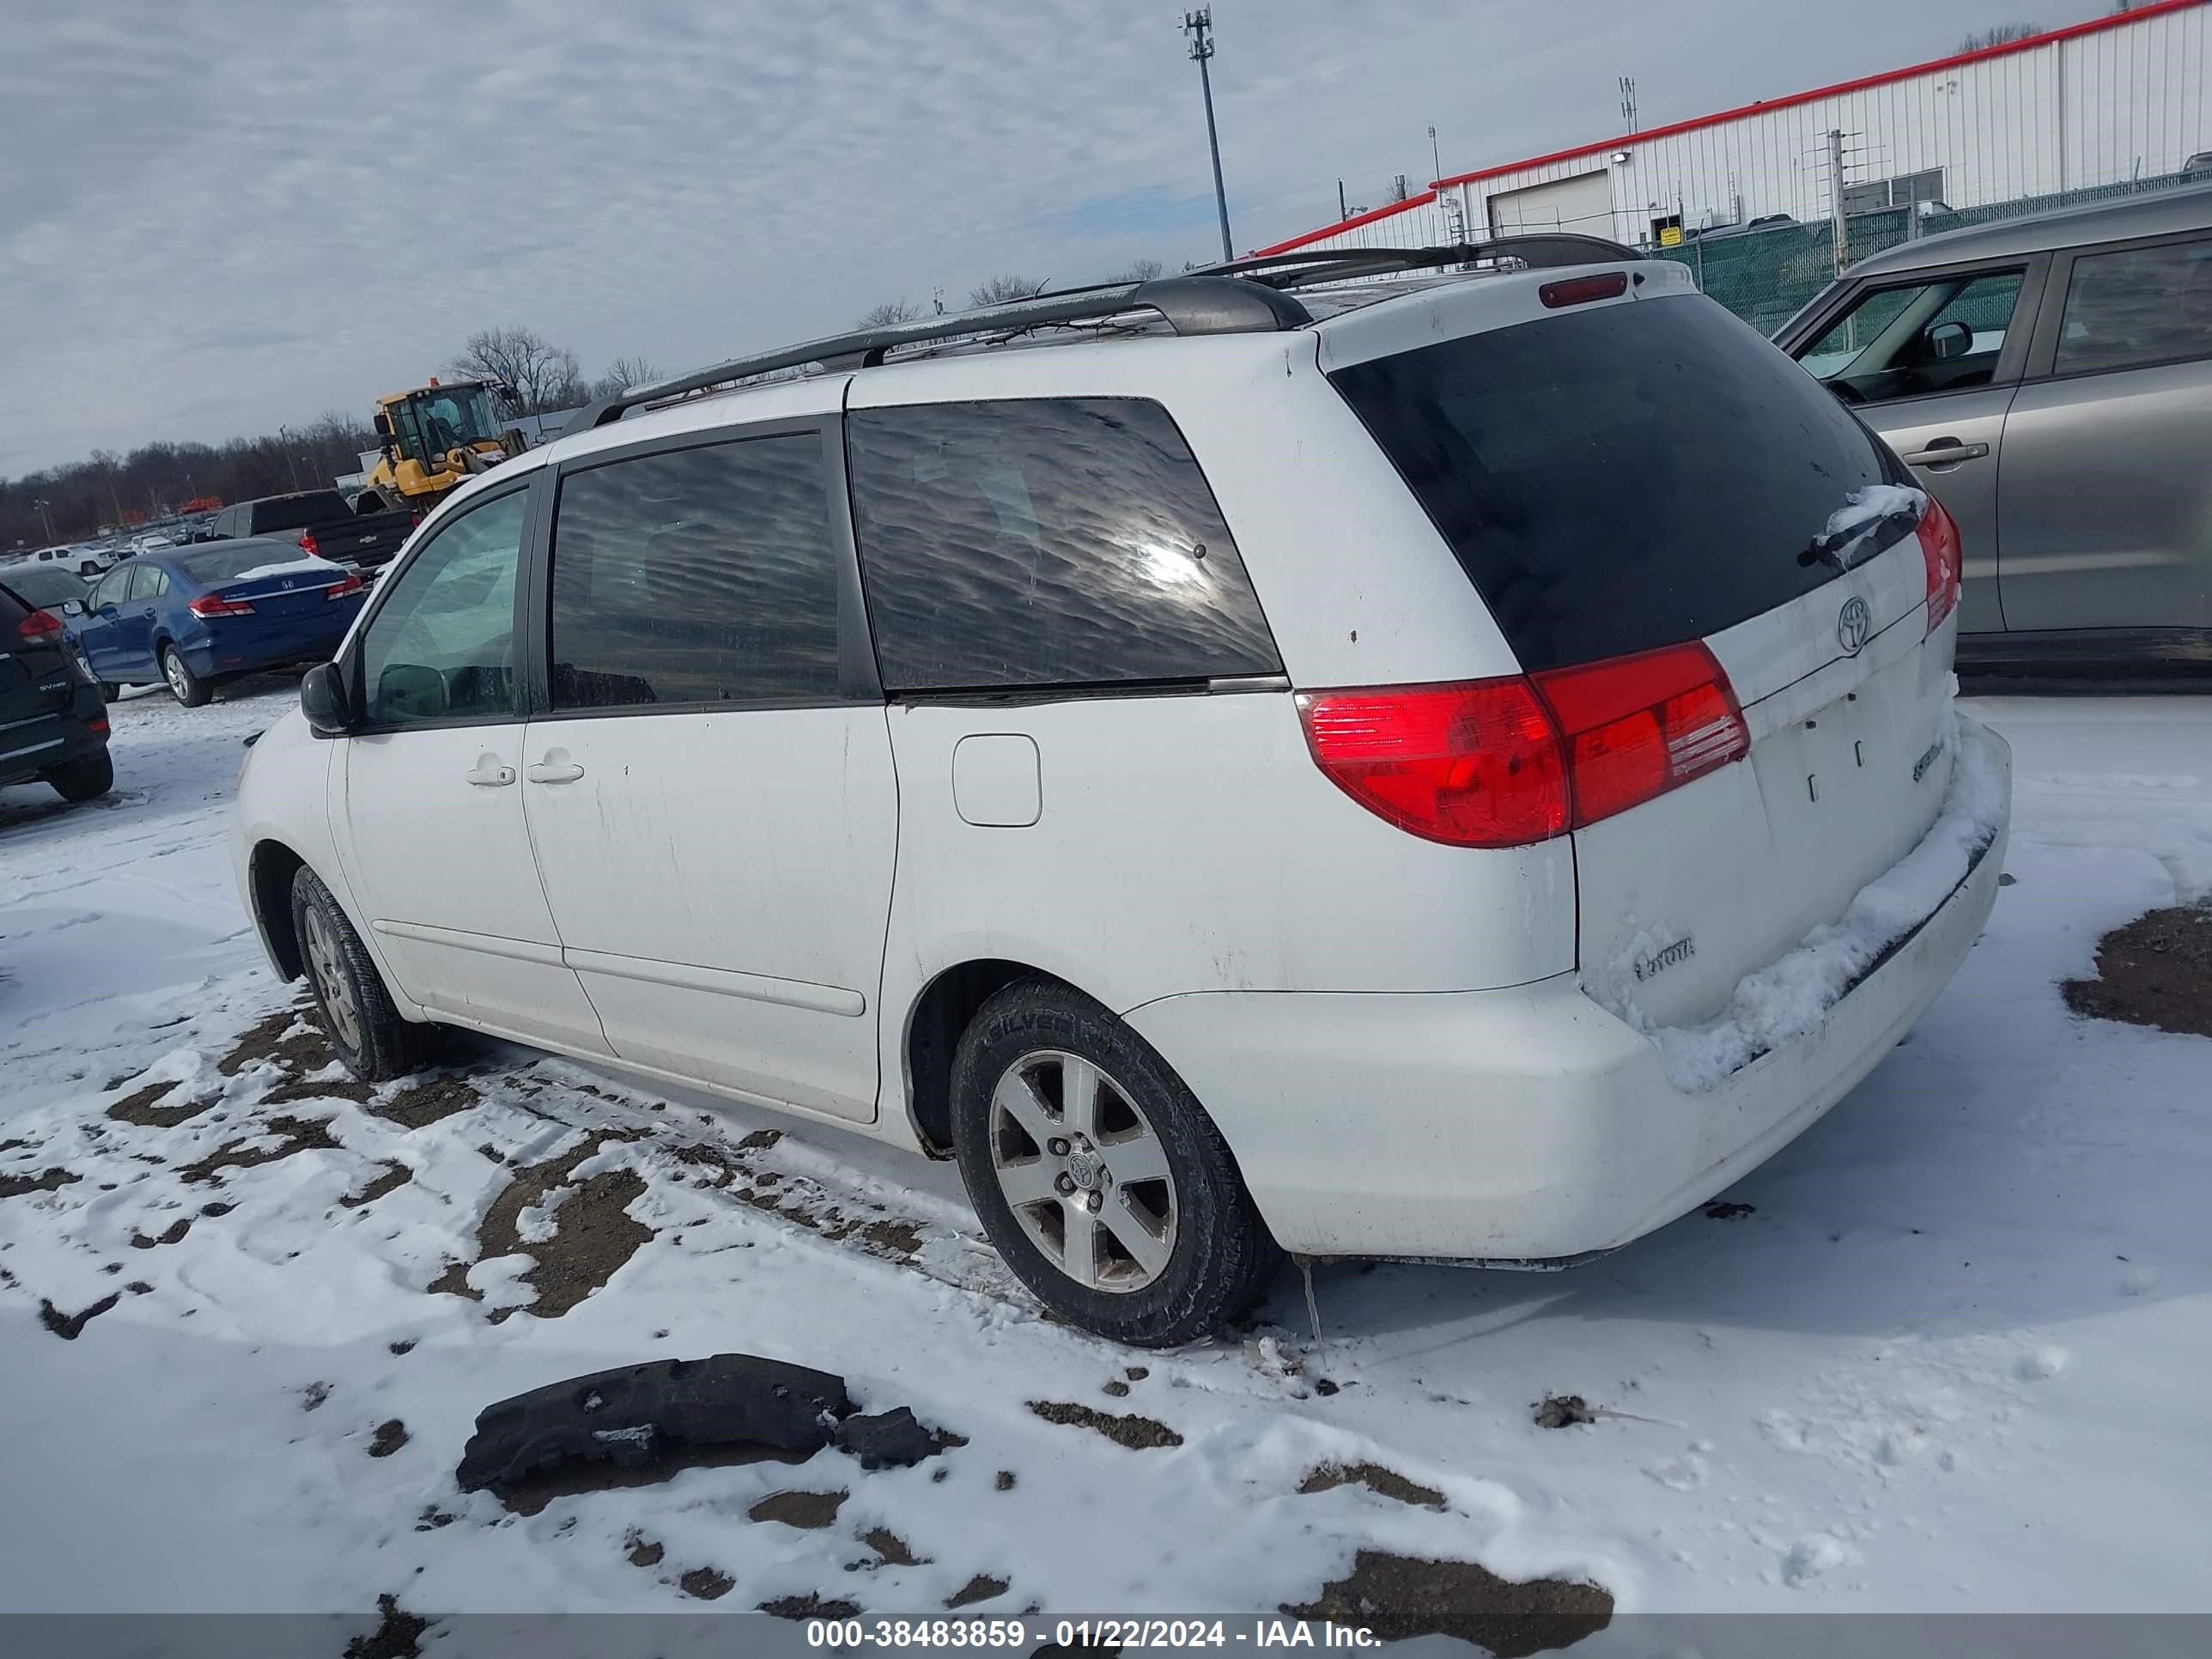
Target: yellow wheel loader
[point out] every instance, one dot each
(434, 437)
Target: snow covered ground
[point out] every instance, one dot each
(1951, 1358)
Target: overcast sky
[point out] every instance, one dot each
(219, 215)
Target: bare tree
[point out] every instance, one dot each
(544, 376)
(1000, 289)
(1142, 271)
(624, 372)
(2002, 35)
(901, 310)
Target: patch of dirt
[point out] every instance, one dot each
(592, 1237)
(390, 1437)
(68, 1326)
(1004, 1482)
(707, 1583)
(1115, 1385)
(395, 1177)
(809, 1606)
(301, 1135)
(313, 1396)
(18, 1146)
(642, 1551)
(397, 1634)
(343, 1088)
(52, 1181)
(1717, 1210)
(760, 1140)
(1563, 1411)
(308, 1051)
(981, 1588)
(1137, 1433)
(428, 1103)
(216, 1211)
(2154, 971)
(899, 1239)
(401, 1347)
(1401, 1597)
(1135, 1373)
(1384, 1483)
(142, 1108)
(809, 1512)
(172, 1233)
(433, 1518)
(891, 1547)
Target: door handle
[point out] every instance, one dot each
(1947, 452)
(556, 767)
(488, 774)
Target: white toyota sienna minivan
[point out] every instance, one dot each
(1443, 754)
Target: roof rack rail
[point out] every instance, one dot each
(1302, 269)
(1242, 296)
(1203, 302)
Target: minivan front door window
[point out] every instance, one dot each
(1944, 334)
(441, 646)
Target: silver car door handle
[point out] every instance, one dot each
(490, 774)
(552, 771)
(1945, 454)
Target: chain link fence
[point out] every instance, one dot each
(1765, 274)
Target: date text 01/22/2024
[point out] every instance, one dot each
(1079, 1635)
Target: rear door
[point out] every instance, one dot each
(708, 778)
(103, 614)
(2106, 504)
(1626, 476)
(1932, 362)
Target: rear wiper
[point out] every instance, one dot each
(1828, 549)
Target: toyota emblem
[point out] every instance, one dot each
(1853, 624)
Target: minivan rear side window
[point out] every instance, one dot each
(1046, 541)
(698, 575)
(1622, 477)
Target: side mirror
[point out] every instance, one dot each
(1948, 341)
(323, 701)
(72, 607)
(383, 425)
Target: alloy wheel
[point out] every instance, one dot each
(332, 981)
(1084, 1172)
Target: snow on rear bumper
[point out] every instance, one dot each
(1531, 1125)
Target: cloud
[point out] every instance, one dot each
(219, 215)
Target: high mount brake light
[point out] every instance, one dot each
(1509, 761)
(1940, 550)
(1581, 290)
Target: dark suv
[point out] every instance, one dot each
(52, 723)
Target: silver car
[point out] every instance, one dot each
(2050, 379)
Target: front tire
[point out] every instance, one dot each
(1099, 1175)
(86, 778)
(187, 687)
(365, 1031)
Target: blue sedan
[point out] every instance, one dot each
(194, 616)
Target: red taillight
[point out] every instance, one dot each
(40, 625)
(97, 726)
(416, 517)
(1505, 762)
(1581, 290)
(352, 583)
(214, 605)
(1946, 561)
(1637, 726)
(309, 545)
(1475, 764)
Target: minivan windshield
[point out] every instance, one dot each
(1626, 477)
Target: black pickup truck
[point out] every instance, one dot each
(321, 522)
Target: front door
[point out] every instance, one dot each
(2106, 508)
(430, 820)
(711, 796)
(1925, 363)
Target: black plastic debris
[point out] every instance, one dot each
(640, 1414)
(887, 1440)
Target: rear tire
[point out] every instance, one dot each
(187, 687)
(365, 1031)
(1134, 1222)
(86, 778)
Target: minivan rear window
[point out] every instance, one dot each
(1622, 477)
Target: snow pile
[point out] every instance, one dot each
(1793, 994)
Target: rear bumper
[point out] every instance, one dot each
(1526, 1125)
(214, 655)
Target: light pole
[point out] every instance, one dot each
(1198, 25)
(46, 518)
(291, 460)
